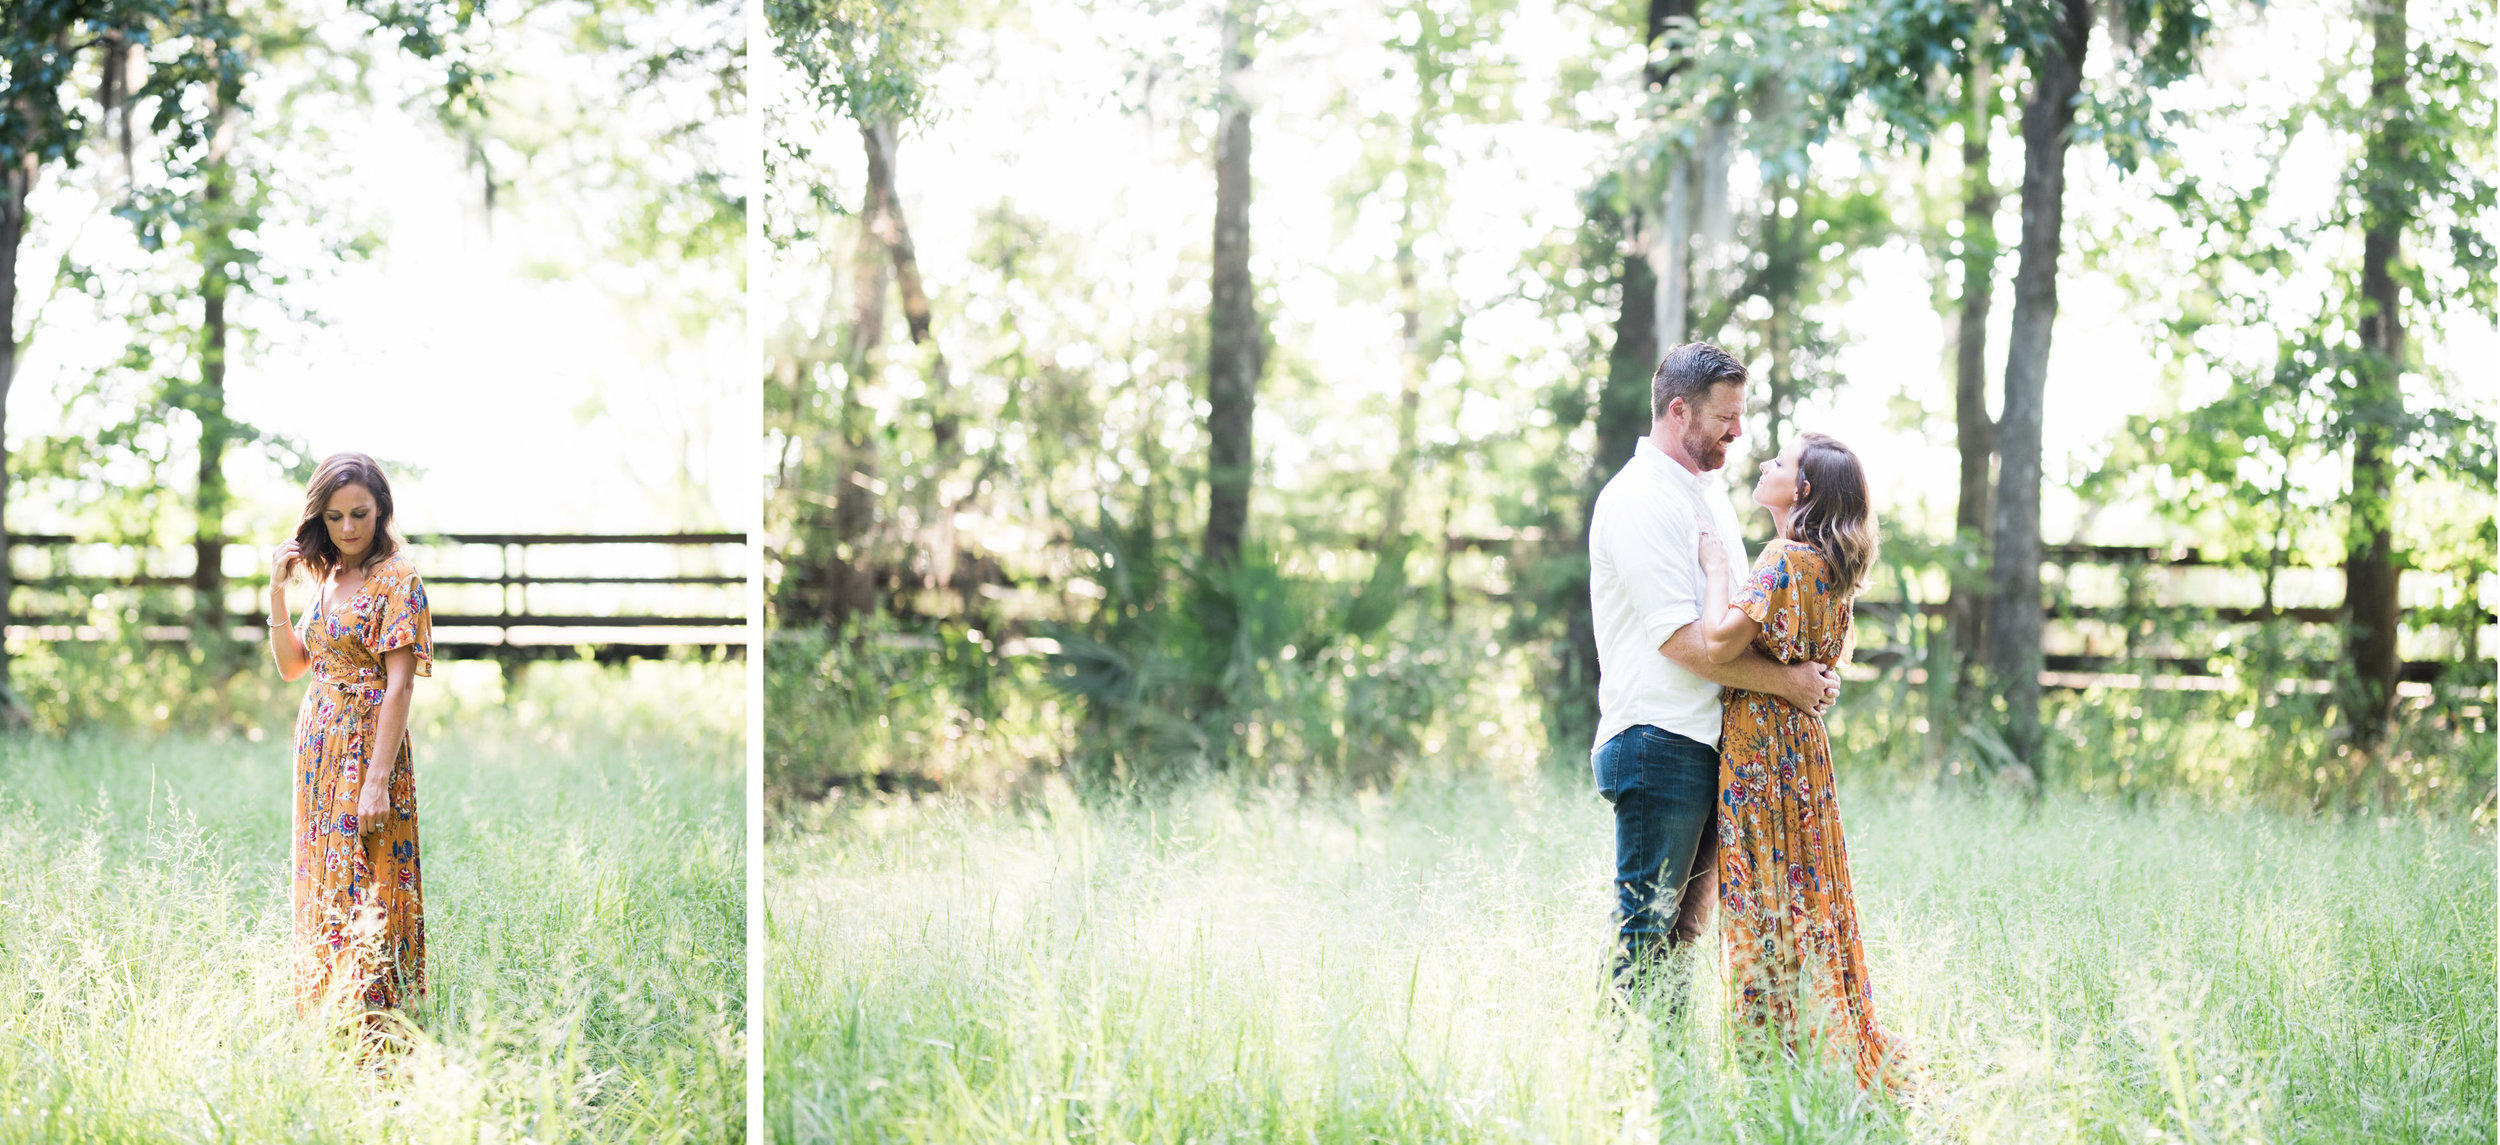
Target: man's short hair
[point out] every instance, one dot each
(1688, 371)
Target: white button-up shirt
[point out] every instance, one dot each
(1645, 583)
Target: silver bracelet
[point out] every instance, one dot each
(280, 622)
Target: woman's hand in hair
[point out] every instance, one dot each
(284, 563)
(283, 643)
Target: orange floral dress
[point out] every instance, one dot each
(359, 906)
(1789, 920)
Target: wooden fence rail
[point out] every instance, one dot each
(2086, 642)
(505, 630)
(2071, 669)
(2189, 671)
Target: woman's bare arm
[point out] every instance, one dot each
(1810, 685)
(399, 681)
(284, 644)
(1725, 631)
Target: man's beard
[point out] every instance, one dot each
(1711, 452)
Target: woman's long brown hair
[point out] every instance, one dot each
(1835, 514)
(336, 472)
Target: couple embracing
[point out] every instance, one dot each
(1712, 684)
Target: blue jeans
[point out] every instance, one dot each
(1665, 789)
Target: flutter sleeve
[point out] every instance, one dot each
(1771, 596)
(406, 621)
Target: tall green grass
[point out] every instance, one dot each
(584, 878)
(1243, 964)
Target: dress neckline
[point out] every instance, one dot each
(322, 604)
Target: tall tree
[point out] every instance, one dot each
(2377, 413)
(1624, 203)
(1904, 55)
(2340, 382)
(1660, 231)
(2161, 39)
(1234, 349)
(886, 223)
(865, 60)
(1623, 413)
(16, 179)
(2161, 43)
(201, 196)
(42, 125)
(2426, 133)
(2055, 59)
(216, 220)
(1647, 316)
(849, 586)
(1974, 432)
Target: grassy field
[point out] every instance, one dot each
(1424, 966)
(584, 879)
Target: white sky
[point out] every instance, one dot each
(516, 402)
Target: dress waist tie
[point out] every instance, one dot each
(366, 686)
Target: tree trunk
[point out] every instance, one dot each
(945, 422)
(216, 252)
(113, 94)
(2370, 571)
(1143, 558)
(1623, 415)
(1651, 309)
(1410, 398)
(870, 264)
(1449, 513)
(850, 578)
(2015, 608)
(1667, 243)
(16, 179)
(1669, 261)
(1233, 350)
(1974, 432)
(890, 228)
(1784, 252)
(1623, 412)
(1713, 268)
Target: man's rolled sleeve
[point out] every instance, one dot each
(1657, 562)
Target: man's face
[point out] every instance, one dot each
(1714, 424)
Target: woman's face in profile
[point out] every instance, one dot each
(1778, 487)
(349, 517)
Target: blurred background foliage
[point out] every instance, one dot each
(988, 471)
(197, 190)
(998, 394)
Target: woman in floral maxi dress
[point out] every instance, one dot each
(359, 903)
(1789, 918)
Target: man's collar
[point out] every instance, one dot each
(1658, 460)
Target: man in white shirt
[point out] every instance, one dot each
(1656, 756)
